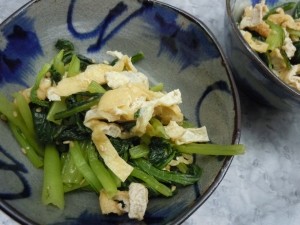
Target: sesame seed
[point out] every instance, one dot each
(173, 188)
(39, 109)
(24, 151)
(82, 182)
(3, 117)
(15, 114)
(23, 136)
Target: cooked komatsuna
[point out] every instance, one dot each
(106, 129)
(274, 35)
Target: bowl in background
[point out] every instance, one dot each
(251, 74)
(179, 52)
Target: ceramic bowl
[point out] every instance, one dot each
(179, 51)
(250, 72)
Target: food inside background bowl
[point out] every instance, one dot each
(252, 72)
(179, 52)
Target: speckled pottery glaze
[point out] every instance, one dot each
(250, 72)
(179, 51)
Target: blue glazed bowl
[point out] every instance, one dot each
(251, 74)
(179, 51)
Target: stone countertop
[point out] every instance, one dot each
(261, 187)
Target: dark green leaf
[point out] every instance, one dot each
(286, 59)
(297, 11)
(161, 152)
(285, 7)
(42, 126)
(296, 58)
(64, 44)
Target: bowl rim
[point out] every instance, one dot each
(255, 57)
(21, 218)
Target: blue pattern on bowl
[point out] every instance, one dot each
(179, 51)
(21, 50)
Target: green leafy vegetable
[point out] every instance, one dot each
(211, 149)
(53, 191)
(286, 59)
(151, 181)
(297, 11)
(137, 114)
(265, 57)
(69, 172)
(137, 57)
(57, 106)
(74, 67)
(84, 62)
(296, 58)
(78, 107)
(94, 87)
(157, 129)
(58, 65)
(26, 148)
(25, 111)
(33, 92)
(42, 126)
(12, 114)
(138, 151)
(101, 172)
(193, 174)
(276, 37)
(122, 145)
(158, 87)
(285, 7)
(64, 44)
(160, 152)
(84, 167)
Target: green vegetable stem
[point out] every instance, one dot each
(276, 37)
(26, 148)
(74, 67)
(14, 116)
(53, 191)
(94, 87)
(101, 172)
(33, 92)
(25, 111)
(84, 168)
(139, 151)
(169, 176)
(152, 182)
(297, 11)
(70, 173)
(211, 149)
(78, 107)
(285, 7)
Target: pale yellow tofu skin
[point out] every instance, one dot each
(138, 201)
(134, 202)
(80, 82)
(121, 104)
(110, 156)
(109, 205)
(182, 135)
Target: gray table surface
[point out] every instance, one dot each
(261, 187)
